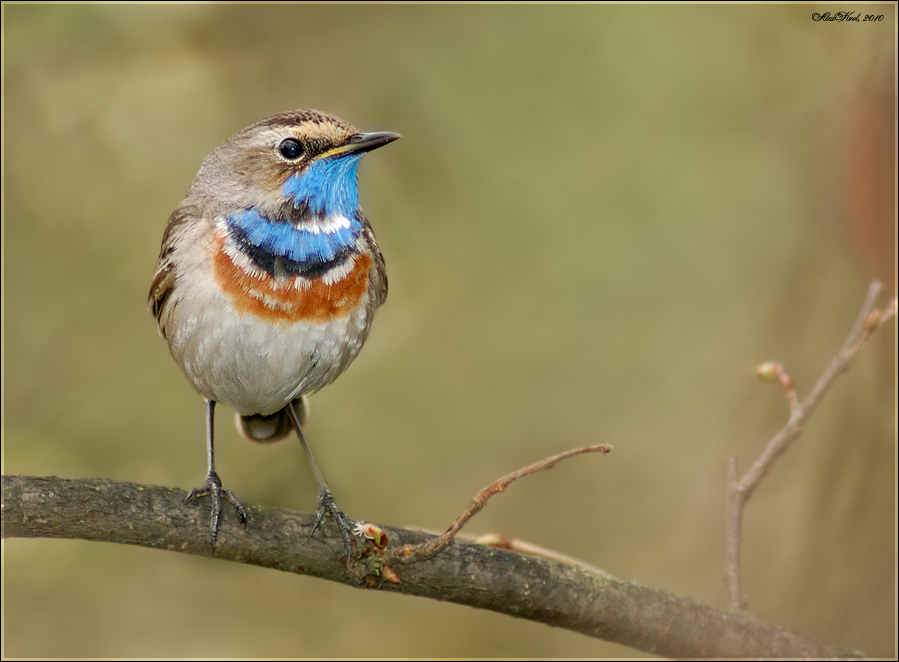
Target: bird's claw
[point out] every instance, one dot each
(326, 504)
(214, 489)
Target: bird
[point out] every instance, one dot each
(267, 282)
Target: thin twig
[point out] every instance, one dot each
(414, 553)
(735, 503)
(739, 490)
(525, 547)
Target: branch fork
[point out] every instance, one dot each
(740, 489)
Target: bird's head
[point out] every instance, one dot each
(299, 166)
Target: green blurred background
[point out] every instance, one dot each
(600, 219)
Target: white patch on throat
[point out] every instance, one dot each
(328, 225)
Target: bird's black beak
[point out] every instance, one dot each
(360, 143)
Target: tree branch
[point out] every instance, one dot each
(480, 576)
(740, 489)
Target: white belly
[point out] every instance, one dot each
(254, 366)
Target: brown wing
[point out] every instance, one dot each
(166, 272)
(378, 273)
(162, 287)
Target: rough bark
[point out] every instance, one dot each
(531, 587)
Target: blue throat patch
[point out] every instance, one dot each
(326, 189)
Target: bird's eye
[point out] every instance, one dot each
(291, 149)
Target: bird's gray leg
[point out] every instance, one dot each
(213, 487)
(326, 502)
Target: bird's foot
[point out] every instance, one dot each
(344, 524)
(215, 490)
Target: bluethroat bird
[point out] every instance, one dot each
(268, 280)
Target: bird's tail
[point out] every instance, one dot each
(272, 427)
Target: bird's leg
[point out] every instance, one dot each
(326, 502)
(213, 486)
